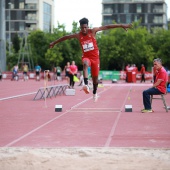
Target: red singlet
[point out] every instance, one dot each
(90, 51)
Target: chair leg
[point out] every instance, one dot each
(163, 99)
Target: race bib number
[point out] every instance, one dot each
(88, 46)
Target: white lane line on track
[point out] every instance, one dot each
(88, 99)
(36, 129)
(110, 85)
(97, 108)
(129, 85)
(105, 111)
(21, 95)
(109, 139)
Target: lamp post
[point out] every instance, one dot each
(9, 27)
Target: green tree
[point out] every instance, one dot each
(39, 45)
(160, 41)
(16, 43)
(65, 51)
(117, 47)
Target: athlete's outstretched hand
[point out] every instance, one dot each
(51, 45)
(126, 26)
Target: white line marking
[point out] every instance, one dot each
(95, 111)
(109, 139)
(128, 85)
(88, 99)
(36, 129)
(21, 95)
(97, 108)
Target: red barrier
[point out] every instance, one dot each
(148, 75)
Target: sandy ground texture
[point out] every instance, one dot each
(84, 159)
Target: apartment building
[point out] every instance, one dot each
(153, 13)
(23, 16)
(2, 36)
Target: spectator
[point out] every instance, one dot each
(134, 68)
(58, 72)
(25, 71)
(15, 72)
(126, 69)
(67, 70)
(0, 74)
(142, 71)
(37, 72)
(81, 80)
(73, 72)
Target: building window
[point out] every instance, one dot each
(30, 6)
(128, 18)
(146, 18)
(118, 18)
(158, 9)
(158, 19)
(12, 26)
(139, 8)
(11, 6)
(19, 15)
(21, 26)
(126, 8)
(107, 20)
(108, 11)
(136, 18)
(149, 8)
(116, 8)
(21, 5)
(7, 15)
(47, 17)
(30, 16)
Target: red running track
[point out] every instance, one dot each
(82, 123)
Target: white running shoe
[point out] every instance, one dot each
(86, 89)
(95, 97)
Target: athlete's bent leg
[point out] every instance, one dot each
(85, 71)
(95, 84)
(86, 64)
(95, 73)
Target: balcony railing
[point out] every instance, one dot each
(30, 18)
(33, 7)
(30, 28)
(126, 1)
(157, 10)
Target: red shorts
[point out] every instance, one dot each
(94, 64)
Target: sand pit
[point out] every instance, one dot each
(84, 159)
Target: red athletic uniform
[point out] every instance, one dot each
(90, 51)
(161, 75)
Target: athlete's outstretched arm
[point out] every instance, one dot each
(111, 26)
(63, 39)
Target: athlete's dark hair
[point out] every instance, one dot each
(84, 21)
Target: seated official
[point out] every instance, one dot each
(159, 86)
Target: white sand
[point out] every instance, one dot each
(84, 159)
